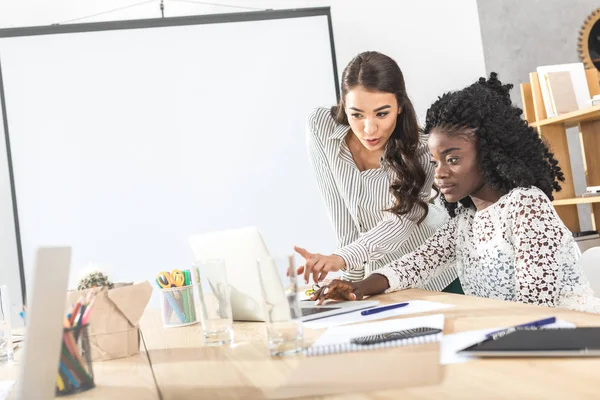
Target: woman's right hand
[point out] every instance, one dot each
(337, 290)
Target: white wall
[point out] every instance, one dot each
(437, 43)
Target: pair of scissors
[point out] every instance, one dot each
(315, 288)
(175, 278)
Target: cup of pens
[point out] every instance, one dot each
(75, 373)
(177, 298)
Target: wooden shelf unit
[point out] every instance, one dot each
(553, 130)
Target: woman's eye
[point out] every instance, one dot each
(356, 115)
(382, 114)
(452, 160)
(433, 162)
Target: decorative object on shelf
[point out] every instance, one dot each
(589, 43)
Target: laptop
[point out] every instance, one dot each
(44, 328)
(241, 248)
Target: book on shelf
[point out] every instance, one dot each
(562, 94)
(585, 235)
(578, 81)
(590, 194)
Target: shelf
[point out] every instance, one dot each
(577, 200)
(572, 118)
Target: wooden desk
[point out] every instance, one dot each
(126, 378)
(178, 352)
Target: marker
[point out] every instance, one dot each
(376, 310)
(533, 324)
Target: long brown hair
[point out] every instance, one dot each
(375, 71)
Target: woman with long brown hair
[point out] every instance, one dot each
(373, 169)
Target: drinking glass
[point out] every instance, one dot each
(214, 295)
(285, 335)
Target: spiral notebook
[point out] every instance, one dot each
(338, 339)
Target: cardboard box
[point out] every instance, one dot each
(114, 319)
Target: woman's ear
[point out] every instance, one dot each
(399, 110)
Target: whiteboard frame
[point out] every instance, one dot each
(139, 24)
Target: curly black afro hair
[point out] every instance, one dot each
(511, 153)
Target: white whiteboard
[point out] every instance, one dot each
(125, 142)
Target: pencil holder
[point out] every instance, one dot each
(178, 308)
(75, 373)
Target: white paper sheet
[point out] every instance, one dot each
(414, 307)
(343, 334)
(452, 343)
(5, 387)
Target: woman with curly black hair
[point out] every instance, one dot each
(504, 237)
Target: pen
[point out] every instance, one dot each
(533, 324)
(376, 310)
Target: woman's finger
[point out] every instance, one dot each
(300, 270)
(302, 252)
(308, 269)
(316, 294)
(323, 274)
(316, 270)
(334, 291)
(309, 265)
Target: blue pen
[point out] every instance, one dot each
(533, 324)
(382, 309)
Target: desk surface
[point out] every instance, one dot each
(126, 378)
(180, 367)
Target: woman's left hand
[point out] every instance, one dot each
(338, 290)
(318, 265)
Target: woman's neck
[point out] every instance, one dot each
(364, 158)
(485, 196)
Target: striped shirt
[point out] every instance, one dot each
(368, 237)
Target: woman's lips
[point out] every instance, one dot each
(445, 189)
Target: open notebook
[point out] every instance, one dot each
(339, 339)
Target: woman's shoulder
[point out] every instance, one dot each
(524, 202)
(527, 196)
(321, 122)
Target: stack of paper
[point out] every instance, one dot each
(414, 307)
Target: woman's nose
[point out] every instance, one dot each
(440, 172)
(370, 127)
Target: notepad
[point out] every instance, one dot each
(338, 340)
(541, 343)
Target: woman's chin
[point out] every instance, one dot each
(452, 198)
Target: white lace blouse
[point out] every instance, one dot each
(517, 249)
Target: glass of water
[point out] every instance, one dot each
(282, 312)
(214, 295)
(6, 344)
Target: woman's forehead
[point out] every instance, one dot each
(440, 140)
